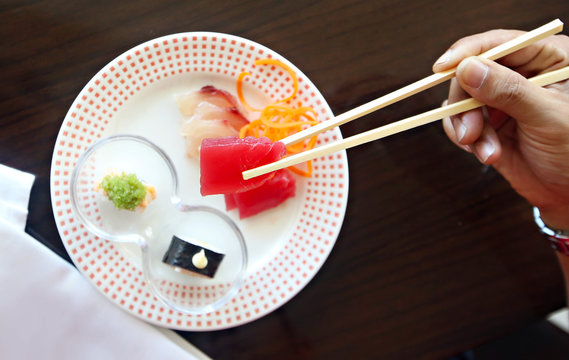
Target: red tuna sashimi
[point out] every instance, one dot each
(267, 196)
(230, 203)
(222, 161)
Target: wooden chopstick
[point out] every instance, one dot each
(393, 128)
(504, 49)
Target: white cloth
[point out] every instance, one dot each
(15, 186)
(49, 311)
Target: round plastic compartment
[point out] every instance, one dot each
(153, 228)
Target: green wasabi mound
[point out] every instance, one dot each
(124, 190)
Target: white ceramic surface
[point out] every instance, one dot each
(135, 94)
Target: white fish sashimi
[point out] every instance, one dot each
(187, 103)
(211, 113)
(195, 129)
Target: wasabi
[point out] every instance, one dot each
(126, 191)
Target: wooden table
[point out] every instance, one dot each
(436, 255)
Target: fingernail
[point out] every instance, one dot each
(445, 58)
(459, 128)
(485, 149)
(473, 72)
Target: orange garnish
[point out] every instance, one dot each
(288, 69)
(240, 91)
(279, 120)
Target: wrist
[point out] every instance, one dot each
(556, 217)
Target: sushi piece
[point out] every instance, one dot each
(267, 196)
(187, 103)
(192, 257)
(230, 203)
(126, 191)
(210, 113)
(222, 161)
(196, 128)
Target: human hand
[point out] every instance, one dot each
(524, 129)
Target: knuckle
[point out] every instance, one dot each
(469, 43)
(510, 91)
(558, 49)
(560, 40)
(561, 57)
(459, 43)
(556, 54)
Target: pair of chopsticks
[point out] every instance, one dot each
(414, 121)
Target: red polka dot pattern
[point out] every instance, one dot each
(121, 280)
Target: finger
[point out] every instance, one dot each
(562, 86)
(504, 89)
(487, 148)
(456, 93)
(449, 131)
(496, 117)
(546, 55)
(473, 45)
(468, 125)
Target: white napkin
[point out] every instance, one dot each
(49, 311)
(15, 189)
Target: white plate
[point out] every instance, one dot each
(135, 94)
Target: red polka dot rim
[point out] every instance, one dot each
(135, 94)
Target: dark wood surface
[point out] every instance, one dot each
(436, 255)
(541, 340)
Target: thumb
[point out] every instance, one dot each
(503, 89)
